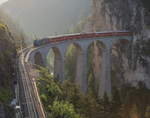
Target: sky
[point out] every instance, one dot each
(44, 18)
(2, 1)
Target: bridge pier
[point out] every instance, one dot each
(105, 81)
(108, 73)
(84, 84)
(44, 60)
(44, 53)
(59, 68)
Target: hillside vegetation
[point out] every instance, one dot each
(7, 60)
(64, 100)
(11, 39)
(14, 30)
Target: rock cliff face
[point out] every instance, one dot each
(130, 60)
(118, 15)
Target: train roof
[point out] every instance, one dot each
(83, 33)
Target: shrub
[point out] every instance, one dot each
(63, 109)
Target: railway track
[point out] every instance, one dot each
(30, 102)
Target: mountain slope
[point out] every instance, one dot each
(123, 15)
(7, 60)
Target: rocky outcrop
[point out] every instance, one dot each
(130, 62)
(118, 15)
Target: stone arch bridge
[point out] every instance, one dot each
(107, 39)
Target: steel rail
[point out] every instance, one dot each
(32, 99)
(34, 91)
(28, 97)
(36, 97)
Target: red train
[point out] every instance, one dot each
(79, 36)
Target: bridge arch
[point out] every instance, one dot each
(121, 56)
(75, 45)
(38, 60)
(95, 60)
(74, 63)
(55, 62)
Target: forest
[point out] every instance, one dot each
(64, 100)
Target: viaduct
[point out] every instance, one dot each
(108, 39)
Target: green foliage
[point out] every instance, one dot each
(65, 100)
(63, 109)
(7, 61)
(53, 97)
(5, 95)
(70, 63)
(86, 105)
(13, 30)
(71, 92)
(68, 94)
(49, 88)
(7, 57)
